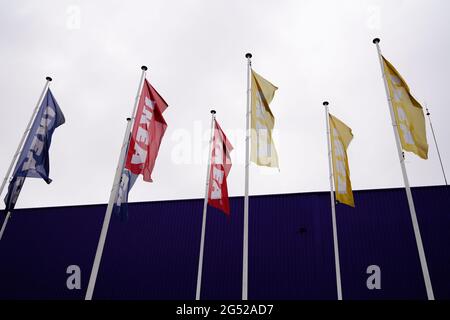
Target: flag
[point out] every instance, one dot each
(14, 188)
(220, 167)
(34, 158)
(341, 136)
(127, 181)
(148, 131)
(263, 151)
(408, 113)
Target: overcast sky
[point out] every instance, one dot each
(312, 50)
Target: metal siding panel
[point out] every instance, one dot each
(289, 259)
(39, 244)
(379, 232)
(433, 213)
(155, 254)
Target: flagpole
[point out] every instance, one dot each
(333, 207)
(247, 167)
(19, 149)
(412, 210)
(205, 209)
(5, 222)
(112, 197)
(437, 147)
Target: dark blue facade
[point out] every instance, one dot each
(155, 254)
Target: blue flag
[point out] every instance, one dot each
(127, 181)
(34, 158)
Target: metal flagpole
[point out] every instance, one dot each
(112, 197)
(412, 210)
(5, 222)
(437, 148)
(247, 167)
(333, 207)
(19, 148)
(205, 209)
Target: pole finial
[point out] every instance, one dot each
(128, 119)
(376, 41)
(144, 68)
(325, 103)
(248, 55)
(48, 79)
(213, 111)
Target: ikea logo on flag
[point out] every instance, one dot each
(37, 144)
(34, 159)
(143, 134)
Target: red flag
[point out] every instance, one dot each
(148, 130)
(220, 167)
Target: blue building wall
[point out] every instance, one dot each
(155, 254)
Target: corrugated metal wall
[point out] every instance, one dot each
(154, 255)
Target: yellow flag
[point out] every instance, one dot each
(341, 135)
(263, 151)
(408, 113)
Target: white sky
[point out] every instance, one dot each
(312, 50)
